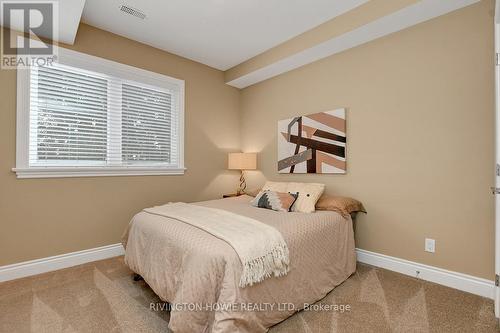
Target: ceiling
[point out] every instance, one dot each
(218, 33)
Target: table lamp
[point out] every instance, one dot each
(242, 162)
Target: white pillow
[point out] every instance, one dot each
(309, 194)
(275, 187)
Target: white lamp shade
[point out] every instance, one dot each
(242, 161)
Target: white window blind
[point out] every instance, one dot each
(68, 118)
(146, 125)
(99, 122)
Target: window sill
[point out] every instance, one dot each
(60, 172)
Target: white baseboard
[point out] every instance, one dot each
(43, 265)
(464, 282)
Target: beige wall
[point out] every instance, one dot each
(45, 217)
(420, 136)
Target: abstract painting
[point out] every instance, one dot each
(315, 143)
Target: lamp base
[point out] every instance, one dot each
(243, 184)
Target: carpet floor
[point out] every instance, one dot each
(102, 297)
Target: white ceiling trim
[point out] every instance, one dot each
(404, 18)
(69, 14)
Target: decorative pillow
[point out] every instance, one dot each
(308, 195)
(278, 201)
(342, 205)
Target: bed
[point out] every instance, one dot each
(198, 274)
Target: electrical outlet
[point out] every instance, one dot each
(430, 245)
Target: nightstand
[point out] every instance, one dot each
(231, 195)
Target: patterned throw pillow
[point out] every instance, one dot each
(278, 201)
(309, 194)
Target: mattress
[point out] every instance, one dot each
(199, 274)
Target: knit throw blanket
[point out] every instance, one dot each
(260, 247)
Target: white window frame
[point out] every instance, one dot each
(102, 66)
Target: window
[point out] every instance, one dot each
(86, 116)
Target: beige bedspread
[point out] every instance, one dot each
(261, 248)
(199, 273)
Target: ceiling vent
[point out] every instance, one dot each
(133, 11)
